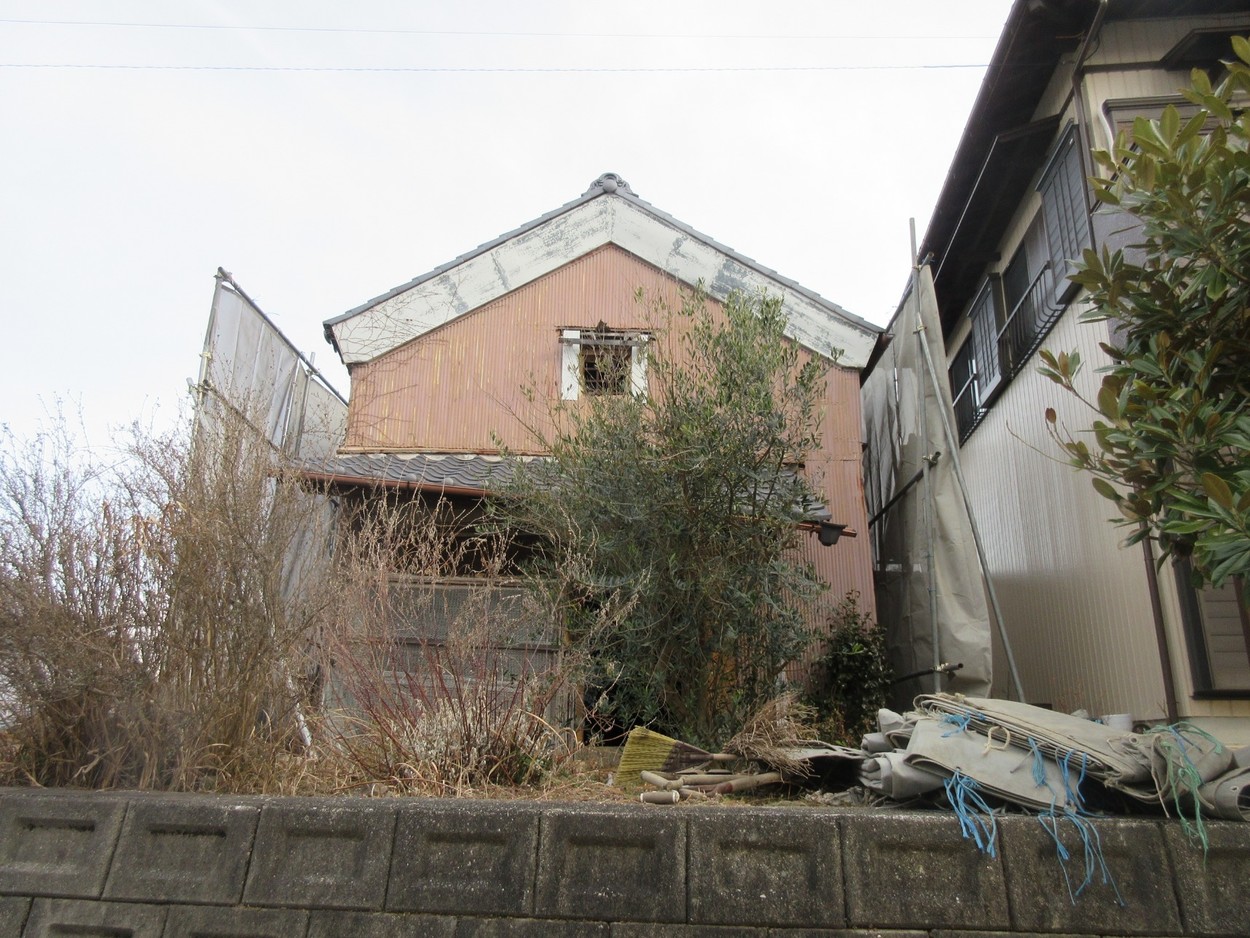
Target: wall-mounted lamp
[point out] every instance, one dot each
(830, 532)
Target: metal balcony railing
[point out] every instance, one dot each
(1028, 323)
(967, 408)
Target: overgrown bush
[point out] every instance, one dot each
(851, 679)
(430, 695)
(665, 520)
(149, 634)
(173, 618)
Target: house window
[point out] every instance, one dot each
(1064, 207)
(1028, 298)
(602, 361)
(1217, 632)
(975, 372)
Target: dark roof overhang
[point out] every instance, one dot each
(1037, 35)
(470, 474)
(1001, 184)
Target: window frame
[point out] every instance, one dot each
(977, 366)
(573, 341)
(1065, 198)
(1200, 641)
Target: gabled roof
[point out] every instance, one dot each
(608, 212)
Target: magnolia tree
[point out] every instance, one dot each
(663, 521)
(1171, 443)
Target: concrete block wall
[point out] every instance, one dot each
(133, 865)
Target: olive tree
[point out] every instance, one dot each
(664, 520)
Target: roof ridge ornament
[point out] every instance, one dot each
(610, 183)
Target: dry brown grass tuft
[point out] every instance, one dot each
(769, 735)
(152, 634)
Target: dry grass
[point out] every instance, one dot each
(171, 620)
(769, 735)
(151, 635)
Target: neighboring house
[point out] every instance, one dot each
(1088, 625)
(440, 365)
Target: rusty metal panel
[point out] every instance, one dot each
(462, 387)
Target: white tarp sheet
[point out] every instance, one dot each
(251, 367)
(896, 443)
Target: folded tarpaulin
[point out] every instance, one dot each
(1026, 777)
(1178, 763)
(1228, 796)
(1112, 756)
(890, 774)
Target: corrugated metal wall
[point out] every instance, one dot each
(1076, 604)
(461, 387)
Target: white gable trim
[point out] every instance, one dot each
(539, 250)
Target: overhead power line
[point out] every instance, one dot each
(487, 69)
(484, 33)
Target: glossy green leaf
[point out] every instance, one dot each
(1217, 490)
(1105, 489)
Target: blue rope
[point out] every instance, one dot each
(976, 818)
(1039, 765)
(1073, 792)
(1183, 777)
(961, 722)
(1094, 859)
(1077, 813)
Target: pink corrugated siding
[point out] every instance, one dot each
(456, 388)
(460, 389)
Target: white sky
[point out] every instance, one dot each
(122, 190)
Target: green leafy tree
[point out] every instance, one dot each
(1171, 445)
(663, 521)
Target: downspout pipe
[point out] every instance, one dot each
(1082, 115)
(1161, 635)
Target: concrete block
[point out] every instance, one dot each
(183, 849)
(1136, 864)
(467, 858)
(206, 921)
(57, 843)
(13, 913)
(57, 918)
(915, 870)
(322, 853)
(1214, 891)
(772, 867)
(379, 925)
(639, 930)
(624, 864)
(531, 928)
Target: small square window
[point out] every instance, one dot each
(605, 368)
(602, 361)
